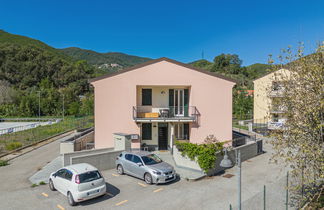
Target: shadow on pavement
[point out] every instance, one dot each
(111, 190)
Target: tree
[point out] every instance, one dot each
(300, 143)
(227, 63)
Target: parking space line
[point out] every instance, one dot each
(60, 207)
(158, 190)
(115, 174)
(120, 203)
(44, 194)
(111, 195)
(143, 185)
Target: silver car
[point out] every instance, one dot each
(145, 165)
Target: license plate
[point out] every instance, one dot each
(93, 192)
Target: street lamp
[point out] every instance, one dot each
(227, 163)
(39, 106)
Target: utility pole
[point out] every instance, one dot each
(63, 107)
(39, 106)
(238, 162)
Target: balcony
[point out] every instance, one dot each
(278, 124)
(165, 114)
(276, 93)
(278, 110)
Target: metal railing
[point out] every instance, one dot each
(165, 112)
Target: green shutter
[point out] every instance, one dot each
(146, 131)
(146, 97)
(171, 102)
(186, 130)
(186, 102)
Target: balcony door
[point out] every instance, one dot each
(179, 102)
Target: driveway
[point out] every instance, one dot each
(125, 192)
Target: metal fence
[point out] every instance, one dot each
(15, 140)
(279, 195)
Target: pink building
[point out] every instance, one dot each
(160, 101)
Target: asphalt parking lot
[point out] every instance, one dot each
(123, 191)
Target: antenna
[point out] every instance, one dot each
(202, 54)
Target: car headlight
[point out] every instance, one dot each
(156, 172)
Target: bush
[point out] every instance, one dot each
(42, 183)
(205, 154)
(13, 145)
(3, 163)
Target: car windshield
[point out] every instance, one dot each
(151, 159)
(89, 176)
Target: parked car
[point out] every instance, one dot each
(78, 182)
(145, 165)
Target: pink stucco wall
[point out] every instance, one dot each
(115, 96)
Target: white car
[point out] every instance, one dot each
(78, 182)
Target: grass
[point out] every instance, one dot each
(236, 125)
(42, 183)
(34, 185)
(3, 163)
(9, 142)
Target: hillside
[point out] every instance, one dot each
(108, 61)
(28, 66)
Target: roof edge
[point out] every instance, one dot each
(159, 60)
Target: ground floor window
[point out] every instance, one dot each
(146, 131)
(181, 131)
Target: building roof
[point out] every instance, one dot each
(159, 60)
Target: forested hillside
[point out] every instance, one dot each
(230, 65)
(112, 61)
(28, 66)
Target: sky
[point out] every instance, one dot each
(182, 30)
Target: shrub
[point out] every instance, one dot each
(205, 154)
(13, 145)
(3, 163)
(34, 185)
(42, 183)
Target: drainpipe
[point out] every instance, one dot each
(172, 137)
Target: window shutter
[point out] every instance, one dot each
(171, 102)
(186, 102)
(146, 97)
(186, 131)
(146, 131)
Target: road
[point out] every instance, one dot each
(125, 192)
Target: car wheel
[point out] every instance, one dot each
(120, 169)
(71, 199)
(148, 178)
(51, 185)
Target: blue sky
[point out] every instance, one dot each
(176, 29)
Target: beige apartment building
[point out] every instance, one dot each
(268, 91)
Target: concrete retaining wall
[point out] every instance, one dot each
(248, 151)
(102, 161)
(67, 157)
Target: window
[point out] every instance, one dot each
(136, 159)
(68, 175)
(181, 131)
(151, 159)
(89, 176)
(61, 173)
(146, 97)
(128, 157)
(146, 131)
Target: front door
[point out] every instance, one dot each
(163, 136)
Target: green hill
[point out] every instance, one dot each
(108, 61)
(28, 66)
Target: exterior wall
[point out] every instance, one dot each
(115, 96)
(262, 101)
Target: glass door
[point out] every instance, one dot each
(179, 102)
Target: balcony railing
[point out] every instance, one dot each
(277, 92)
(277, 125)
(278, 109)
(168, 113)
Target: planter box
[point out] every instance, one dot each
(148, 115)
